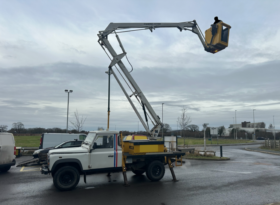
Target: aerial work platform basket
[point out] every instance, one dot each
(217, 36)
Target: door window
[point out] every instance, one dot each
(82, 137)
(104, 141)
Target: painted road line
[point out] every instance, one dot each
(23, 169)
(232, 171)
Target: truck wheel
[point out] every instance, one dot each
(155, 171)
(66, 178)
(5, 169)
(138, 172)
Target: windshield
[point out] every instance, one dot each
(59, 145)
(89, 138)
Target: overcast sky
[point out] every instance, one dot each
(48, 46)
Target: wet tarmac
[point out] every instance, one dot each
(248, 178)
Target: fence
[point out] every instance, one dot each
(272, 144)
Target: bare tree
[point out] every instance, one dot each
(3, 128)
(184, 120)
(18, 126)
(79, 121)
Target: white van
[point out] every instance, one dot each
(7, 151)
(53, 139)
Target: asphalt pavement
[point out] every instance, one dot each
(248, 178)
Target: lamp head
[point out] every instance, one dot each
(66, 91)
(71, 91)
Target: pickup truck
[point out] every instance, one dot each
(102, 152)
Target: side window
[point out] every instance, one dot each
(68, 144)
(104, 141)
(82, 137)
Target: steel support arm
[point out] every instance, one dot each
(189, 25)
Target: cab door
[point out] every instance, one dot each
(105, 153)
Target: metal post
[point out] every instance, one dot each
(274, 133)
(221, 151)
(109, 74)
(254, 124)
(67, 113)
(68, 92)
(205, 138)
(235, 128)
(162, 121)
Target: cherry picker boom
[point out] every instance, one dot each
(216, 40)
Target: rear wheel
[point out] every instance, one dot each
(5, 169)
(155, 171)
(138, 172)
(66, 178)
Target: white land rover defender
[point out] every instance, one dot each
(101, 152)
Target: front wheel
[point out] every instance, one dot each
(155, 171)
(66, 178)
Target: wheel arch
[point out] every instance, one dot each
(67, 162)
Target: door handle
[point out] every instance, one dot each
(110, 155)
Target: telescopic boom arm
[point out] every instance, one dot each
(104, 42)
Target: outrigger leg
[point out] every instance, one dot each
(171, 170)
(124, 172)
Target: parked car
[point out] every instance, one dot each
(260, 138)
(53, 139)
(42, 153)
(7, 151)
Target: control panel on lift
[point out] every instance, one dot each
(217, 36)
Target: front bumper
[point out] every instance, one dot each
(44, 170)
(13, 163)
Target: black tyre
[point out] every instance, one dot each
(5, 169)
(155, 171)
(138, 172)
(66, 178)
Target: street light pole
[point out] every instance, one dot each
(235, 128)
(162, 121)
(109, 86)
(254, 124)
(205, 127)
(68, 92)
(274, 132)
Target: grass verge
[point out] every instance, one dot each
(270, 149)
(27, 141)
